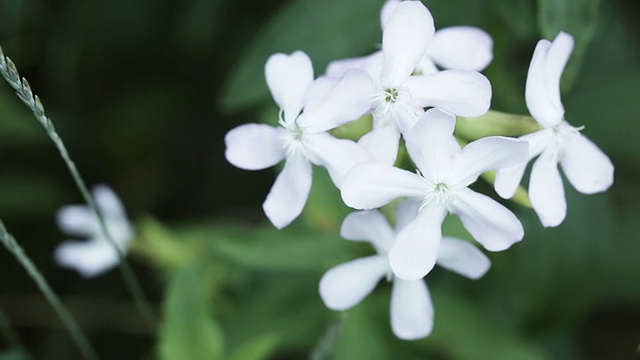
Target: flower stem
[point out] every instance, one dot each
(325, 345)
(78, 336)
(24, 92)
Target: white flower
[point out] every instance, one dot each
(586, 167)
(345, 285)
(400, 97)
(308, 110)
(441, 185)
(96, 255)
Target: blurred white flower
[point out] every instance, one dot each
(440, 185)
(345, 285)
(586, 167)
(308, 110)
(400, 97)
(95, 255)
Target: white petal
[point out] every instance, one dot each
(588, 169)
(89, 258)
(345, 285)
(406, 212)
(108, 201)
(546, 190)
(254, 146)
(371, 185)
(289, 193)
(486, 154)
(370, 226)
(508, 179)
(386, 11)
(491, 224)
(404, 41)
(372, 64)
(462, 257)
(316, 92)
(426, 66)
(77, 220)
(411, 310)
(429, 143)
(337, 155)
(542, 91)
(460, 92)
(348, 100)
(382, 143)
(415, 251)
(461, 48)
(288, 77)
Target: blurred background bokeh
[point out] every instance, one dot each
(143, 92)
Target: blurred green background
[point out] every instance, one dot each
(143, 91)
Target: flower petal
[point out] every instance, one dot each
(289, 193)
(414, 253)
(411, 309)
(371, 185)
(337, 155)
(588, 169)
(254, 146)
(90, 258)
(486, 154)
(382, 143)
(429, 143)
(372, 64)
(387, 9)
(370, 226)
(108, 201)
(288, 77)
(460, 92)
(404, 41)
(406, 212)
(491, 224)
(345, 285)
(462, 257)
(542, 92)
(348, 100)
(77, 220)
(461, 48)
(546, 190)
(316, 92)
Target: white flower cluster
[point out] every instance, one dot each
(408, 95)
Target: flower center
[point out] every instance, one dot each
(391, 95)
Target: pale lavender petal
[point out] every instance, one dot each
(372, 64)
(461, 48)
(337, 155)
(288, 77)
(406, 212)
(382, 143)
(316, 92)
(429, 143)
(345, 285)
(490, 223)
(546, 190)
(369, 226)
(404, 41)
(372, 185)
(411, 310)
(348, 100)
(254, 146)
(462, 257)
(459, 92)
(486, 154)
(588, 169)
(415, 251)
(289, 193)
(89, 258)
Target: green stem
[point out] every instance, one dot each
(78, 336)
(495, 123)
(24, 92)
(326, 343)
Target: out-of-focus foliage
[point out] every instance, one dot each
(143, 92)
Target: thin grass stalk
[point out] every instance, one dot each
(24, 92)
(74, 330)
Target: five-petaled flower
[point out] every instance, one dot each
(441, 185)
(308, 109)
(96, 255)
(587, 168)
(345, 285)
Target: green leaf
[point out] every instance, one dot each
(326, 30)
(259, 348)
(189, 330)
(576, 17)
